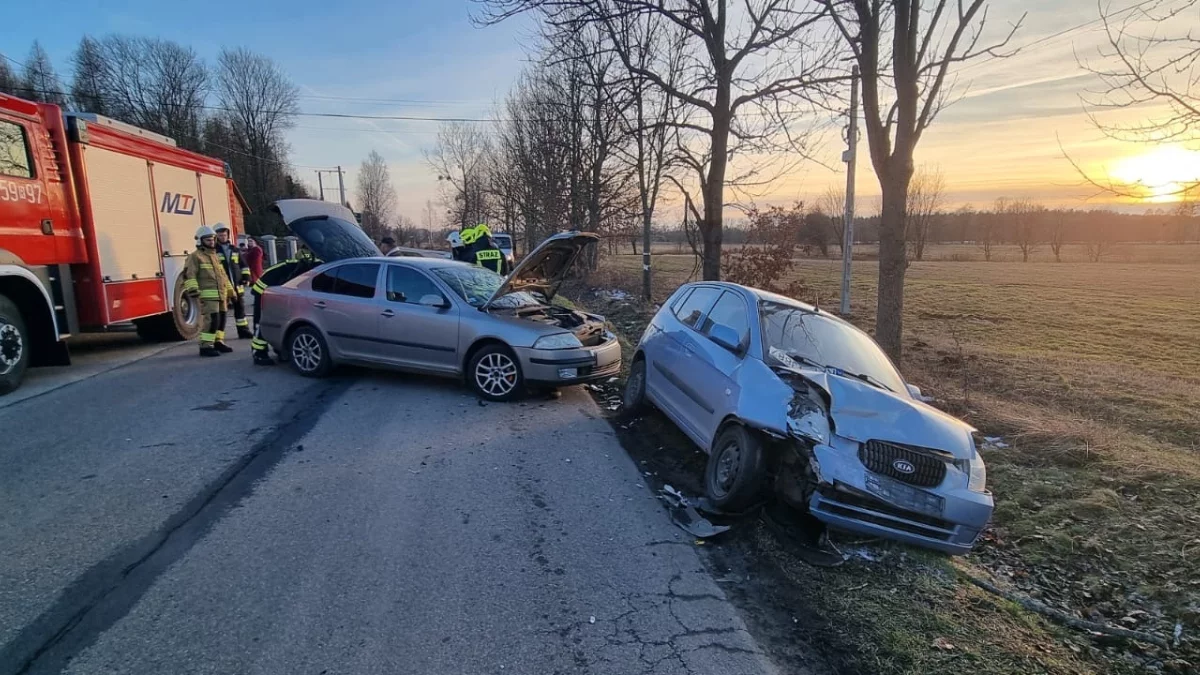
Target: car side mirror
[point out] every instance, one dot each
(726, 337)
(433, 300)
(915, 392)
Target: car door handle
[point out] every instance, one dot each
(320, 304)
(387, 314)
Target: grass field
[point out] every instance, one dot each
(1091, 373)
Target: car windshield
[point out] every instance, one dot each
(476, 285)
(805, 335)
(502, 240)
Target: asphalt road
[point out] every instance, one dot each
(179, 515)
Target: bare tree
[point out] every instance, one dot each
(461, 160)
(833, 202)
(1027, 219)
(926, 40)
(87, 81)
(990, 228)
(259, 103)
(925, 193)
(155, 84)
(764, 59)
(9, 82)
(1151, 56)
(1058, 233)
(1099, 242)
(376, 196)
(39, 82)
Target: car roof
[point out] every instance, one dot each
(769, 296)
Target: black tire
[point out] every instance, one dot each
(15, 346)
(736, 469)
(183, 321)
(633, 399)
(494, 374)
(308, 352)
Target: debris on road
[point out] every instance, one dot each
(942, 644)
(685, 516)
(995, 442)
(591, 619)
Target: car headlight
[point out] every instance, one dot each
(978, 480)
(807, 419)
(558, 341)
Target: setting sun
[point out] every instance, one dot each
(1161, 174)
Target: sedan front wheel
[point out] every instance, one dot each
(495, 374)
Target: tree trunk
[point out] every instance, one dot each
(714, 196)
(889, 324)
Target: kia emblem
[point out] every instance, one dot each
(904, 466)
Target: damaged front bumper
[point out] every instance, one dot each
(850, 497)
(561, 367)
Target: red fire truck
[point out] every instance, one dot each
(96, 220)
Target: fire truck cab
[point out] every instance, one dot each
(96, 220)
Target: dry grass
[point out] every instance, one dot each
(1092, 373)
(1071, 253)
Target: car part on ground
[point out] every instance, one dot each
(685, 516)
(770, 387)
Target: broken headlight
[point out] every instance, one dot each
(807, 419)
(976, 470)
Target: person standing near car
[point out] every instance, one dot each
(204, 279)
(231, 261)
(458, 250)
(273, 276)
(481, 250)
(252, 257)
(387, 245)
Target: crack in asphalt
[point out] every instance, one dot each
(104, 593)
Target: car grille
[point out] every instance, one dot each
(882, 458)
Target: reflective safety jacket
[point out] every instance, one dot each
(231, 260)
(204, 274)
(485, 253)
(282, 273)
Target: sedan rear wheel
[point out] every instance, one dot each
(308, 353)
(495, 374)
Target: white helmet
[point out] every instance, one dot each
(204, 231)
(455, 239)
(221, 226)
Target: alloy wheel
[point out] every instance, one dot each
(496, 374)
(306, 352)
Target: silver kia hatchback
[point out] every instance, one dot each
(436, 316)
(772, 388)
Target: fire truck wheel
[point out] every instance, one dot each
(183, 323)
(14, 346)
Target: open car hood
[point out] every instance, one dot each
(328, 229)
(547, 266)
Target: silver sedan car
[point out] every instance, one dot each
(785, 397)
(440, 317)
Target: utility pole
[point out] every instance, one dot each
(320, 186)
(342, 186)
(849, 157)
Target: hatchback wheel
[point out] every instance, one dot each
(308, 353)
(495, 374)
(633, 401)
(735, 473)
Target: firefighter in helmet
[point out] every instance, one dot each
(205, 281)
(239, 274)
(273, 276)
(458, 250)
(481, 250)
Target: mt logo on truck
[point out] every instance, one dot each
(70, 186)
(184, 205)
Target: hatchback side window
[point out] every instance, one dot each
(730, 310)
(404, 284)
(690, 311)
(356, 280)
(14, 152)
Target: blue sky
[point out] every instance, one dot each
(424, 57)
